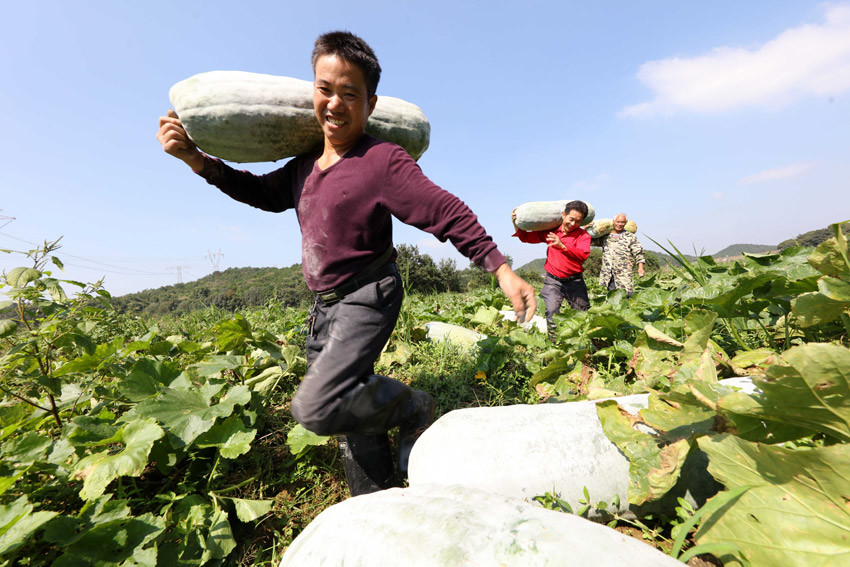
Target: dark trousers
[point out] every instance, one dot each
(612, 286)
(340, 393)
(555, 291)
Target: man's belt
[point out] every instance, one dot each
(571, 278)
(375, 271)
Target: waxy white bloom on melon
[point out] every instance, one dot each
(603, 227)
(546, 215)
(252, 117)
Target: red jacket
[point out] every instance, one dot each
(562, 263)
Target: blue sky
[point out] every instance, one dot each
(709, 123)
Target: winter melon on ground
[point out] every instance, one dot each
(523, 451)
(439, 526)
(459, 336)
(252, 117)
(545, 215)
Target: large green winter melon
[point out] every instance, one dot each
(545, 215)
(252, 117)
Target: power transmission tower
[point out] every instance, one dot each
(5, 218)
(179, 272)
(214, 258)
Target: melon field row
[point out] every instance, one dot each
(133, 441)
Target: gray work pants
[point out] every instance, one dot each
(554, 293)
(340, 394)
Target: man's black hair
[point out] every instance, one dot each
(353, 49)
(579, 206)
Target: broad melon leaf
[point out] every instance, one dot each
(26, 449)
(811, 392)
(653, 471)
(220, 541)
(114, 543)
(796, 512)
(699, 325)
(99, 469)
(487, 316)
(147, 378)
(250, 510)
(834, 288)
(233, 333)
(187, 413)
(18, 522)
(830, 257)
(816, 308)
(212, 365)
(561, 364)
(230, 436)
(299, 439)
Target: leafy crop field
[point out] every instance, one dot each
(136, 442)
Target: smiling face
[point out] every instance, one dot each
(619, 223)
(341, 102)
(571, 220)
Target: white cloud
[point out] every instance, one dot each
(778, 173)
(718, 195)
(812, 59)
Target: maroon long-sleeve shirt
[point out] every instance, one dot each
(345, 210)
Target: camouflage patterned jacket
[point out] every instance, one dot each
(619, 256)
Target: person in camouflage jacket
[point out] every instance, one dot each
(621, 250)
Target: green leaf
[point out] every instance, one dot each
(7, 328)
(250, 510)
(147, 378)
(559, 365)
(811, 391)
(113, 542)
(829, 258)
(230, 436)
(19, 277)
(794, 514)
(836, 289)
(653, 470)
(220, 541)
(212, 365)
(188, 413)
(26, 449)
(232, 334)
(487, 316)
(816, 308)
(299, 439)
(99, 469)
(18, 523)
(94, 430)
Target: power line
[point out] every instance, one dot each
(5, 218)
(214, 258)
(125, 270)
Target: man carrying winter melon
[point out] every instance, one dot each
(569, 247)
(621, 250)
(345, 194)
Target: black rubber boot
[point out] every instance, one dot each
(368, 463)
(419, 415)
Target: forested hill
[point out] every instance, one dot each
(238, 288)
(811, 238)
(234, 288)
